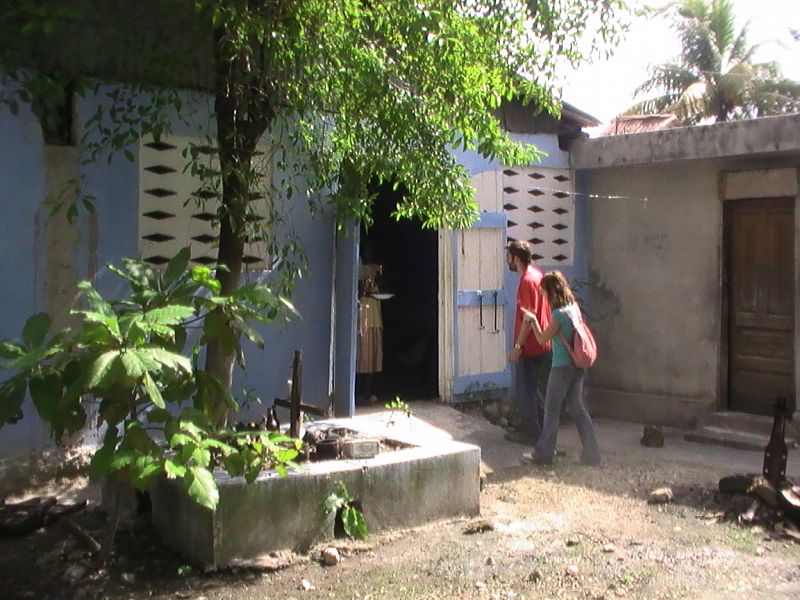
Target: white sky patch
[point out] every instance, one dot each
(605, 89)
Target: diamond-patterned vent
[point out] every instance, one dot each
(158, 237)
(159, 192)
(178, 207)
(548, 194)
(156, 260)
(158, 215)
(160, 169)
(160, 146)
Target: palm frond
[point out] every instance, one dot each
(652, 106)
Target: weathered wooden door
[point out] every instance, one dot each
(473, 300)
(760, 251)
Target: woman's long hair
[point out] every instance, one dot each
(557, 289)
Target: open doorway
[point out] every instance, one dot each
(404, 266)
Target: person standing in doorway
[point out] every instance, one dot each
(565, 383)
(369, 354)
(527, 354)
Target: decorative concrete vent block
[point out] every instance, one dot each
(396, 489)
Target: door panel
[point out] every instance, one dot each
(761, 311)
(480, 359)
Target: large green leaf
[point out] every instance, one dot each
(173, 314)
(201, 486)
(109, 323)
(204, 277)
(11, 350)
(145, 470)
(174, 469)
(104, 370)
(46, 391)
(95, 300)
(34, 357)
(257, 294)
(353, 522)
(12, 395)
(153, 391)
(133, 364)
(35, 330)
(101, 461)
(177, 266)
(171, 360)
(251, 333)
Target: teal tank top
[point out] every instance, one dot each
(564, 317)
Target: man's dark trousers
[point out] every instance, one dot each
(530, 403)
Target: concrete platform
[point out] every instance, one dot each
(435, 479)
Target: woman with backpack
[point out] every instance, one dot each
(566, 379)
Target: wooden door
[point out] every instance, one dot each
(480, 337)
(760, 251)
(472, 315)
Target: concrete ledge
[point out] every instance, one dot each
(396, 489)
(764, 136)
(654, 409)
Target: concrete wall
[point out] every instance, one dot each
(654, 259)
(655, 262)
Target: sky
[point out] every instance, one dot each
(605, 88)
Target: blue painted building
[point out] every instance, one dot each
(43, 257)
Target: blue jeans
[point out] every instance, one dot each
(527, 395)
(566, 384)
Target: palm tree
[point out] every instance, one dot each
(714, 77)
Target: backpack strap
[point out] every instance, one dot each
(575, 323)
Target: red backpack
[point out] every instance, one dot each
(583, 350)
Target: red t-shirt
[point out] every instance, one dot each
(529, 297)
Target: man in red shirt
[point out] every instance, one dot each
(527, 354)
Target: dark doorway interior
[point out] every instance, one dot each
(409, 260)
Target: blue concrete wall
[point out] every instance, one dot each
(22, 188)
(115, 187)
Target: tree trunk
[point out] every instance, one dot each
(238, 133)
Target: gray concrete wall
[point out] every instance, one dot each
(654, 258)
(404, 488)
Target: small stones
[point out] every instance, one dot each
(306, 585)
(481, 526)
(572, 570)
(480, 585)
(490, 561)
(331, 557)
(608, 548)
(572, 542)
(662, 495)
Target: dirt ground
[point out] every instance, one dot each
(566, 531)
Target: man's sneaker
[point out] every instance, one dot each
(530, 458)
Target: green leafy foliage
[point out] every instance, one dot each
(128, 355)
(397, 406)
(353, 521)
